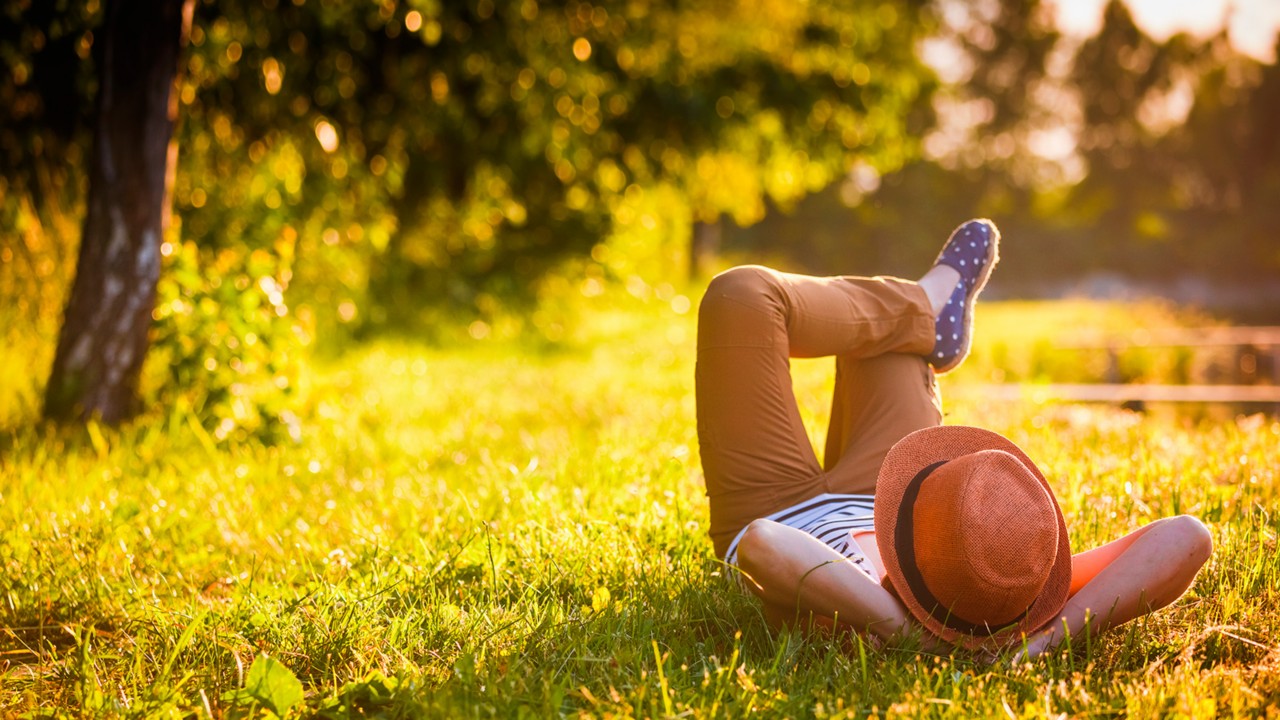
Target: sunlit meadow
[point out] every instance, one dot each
(498, 529)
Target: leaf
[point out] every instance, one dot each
(600, 599)
(273, 684)
(366, 698)
(183, 640)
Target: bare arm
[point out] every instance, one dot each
(1127, 578)
(795, 573)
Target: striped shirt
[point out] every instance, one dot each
(831, 518)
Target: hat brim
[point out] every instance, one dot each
(926, 447)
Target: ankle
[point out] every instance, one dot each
(938, 284)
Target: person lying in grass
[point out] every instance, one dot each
(908, 524)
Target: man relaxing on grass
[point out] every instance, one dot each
(908, 524)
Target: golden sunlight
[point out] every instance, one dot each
(327, 135)
(1251, 24)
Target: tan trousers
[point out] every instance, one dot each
(756, 457)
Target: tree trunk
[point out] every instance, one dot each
(704, 247)
(105, 330)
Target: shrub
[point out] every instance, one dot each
(225, 345)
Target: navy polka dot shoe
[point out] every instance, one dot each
(972, 250)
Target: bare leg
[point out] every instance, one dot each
(1127, 578)
(793, 573)
(938, 284)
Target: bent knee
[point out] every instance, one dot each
(749, 285)
(757, 542)
(1191, 537)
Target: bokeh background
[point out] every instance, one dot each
(464, 171)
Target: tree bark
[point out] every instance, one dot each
(105, 330)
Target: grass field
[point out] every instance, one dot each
(491, 530)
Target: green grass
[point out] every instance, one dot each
(492, 530)
(1029, 341)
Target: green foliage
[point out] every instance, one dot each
(1168, 176)
(494, 530)
(46, 83)
(1067, 342)
(453, 149)
(269, 683)
(453, 163)
(373, 696)
(431, 159)
(225, 345)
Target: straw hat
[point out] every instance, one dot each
(972, 539)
